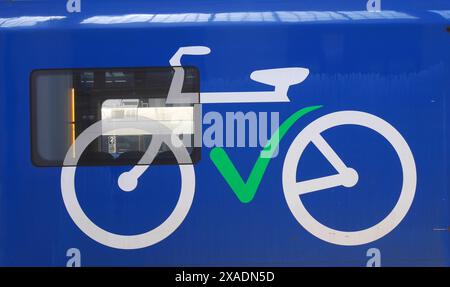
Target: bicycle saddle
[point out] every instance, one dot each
(280, 77)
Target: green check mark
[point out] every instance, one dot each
(245, 191)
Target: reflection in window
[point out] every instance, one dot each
(65, 103)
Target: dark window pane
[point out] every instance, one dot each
(67, 102)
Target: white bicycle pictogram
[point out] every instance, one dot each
(281, 79)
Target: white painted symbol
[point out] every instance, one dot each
(73, 6)
(281, 79)
(346, 176)
(128, 182)
(373, 6)
(74, 255)
(175, 61)
(374, 255)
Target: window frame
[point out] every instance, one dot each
(40, 162)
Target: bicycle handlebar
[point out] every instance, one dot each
(190, 50)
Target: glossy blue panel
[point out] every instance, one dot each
(394, 64)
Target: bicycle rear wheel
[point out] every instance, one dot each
(293, 194)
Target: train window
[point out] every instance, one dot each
(65, 103)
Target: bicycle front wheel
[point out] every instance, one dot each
(105, 237)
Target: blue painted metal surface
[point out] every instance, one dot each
(394, 64)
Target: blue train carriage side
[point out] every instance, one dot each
(224, 133)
